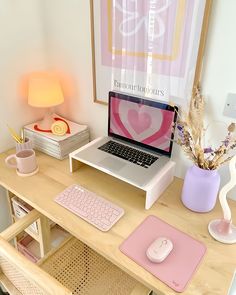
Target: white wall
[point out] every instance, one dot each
(220, 70)
(70, 52)
(22, 49)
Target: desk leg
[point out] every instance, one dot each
(10, 195)
(44, 235)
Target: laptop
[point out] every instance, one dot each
(139, 141)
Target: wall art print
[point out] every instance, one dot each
(149, 48)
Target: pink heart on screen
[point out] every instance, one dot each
(139, 121)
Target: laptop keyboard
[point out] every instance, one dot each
(128, 153)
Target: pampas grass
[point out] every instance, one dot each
(191, 131)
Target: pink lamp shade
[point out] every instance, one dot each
(44, 91)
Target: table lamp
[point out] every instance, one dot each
(45, 92)
(223, 229)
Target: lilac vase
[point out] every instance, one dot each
(200, 189)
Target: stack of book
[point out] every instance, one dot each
(58, 146)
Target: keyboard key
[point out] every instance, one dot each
(78, 211)
(89, 206)
(112, 218)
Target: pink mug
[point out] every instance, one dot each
(24, 161)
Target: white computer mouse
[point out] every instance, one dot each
(159, 249)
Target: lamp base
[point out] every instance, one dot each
(47, 121)
(223, 231)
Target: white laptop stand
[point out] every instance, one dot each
(153, 189)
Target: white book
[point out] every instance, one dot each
(55, 149)
(83, 137)
(75, 130)
(50, 153)
(58, 146)
(42, 141)
(58, 154)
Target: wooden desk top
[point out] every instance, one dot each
(215, 272)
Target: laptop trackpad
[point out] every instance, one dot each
(112, 164)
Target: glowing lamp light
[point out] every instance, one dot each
(45, 91)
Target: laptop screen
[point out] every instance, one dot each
(144, 122)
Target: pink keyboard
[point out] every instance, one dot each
(89, 206)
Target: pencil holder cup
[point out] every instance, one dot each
(27, 145)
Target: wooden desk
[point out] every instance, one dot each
(215, 272)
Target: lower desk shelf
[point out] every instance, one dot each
(71, 268)
(30, 248)
(88, 273)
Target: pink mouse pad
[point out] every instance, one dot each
(179, 266)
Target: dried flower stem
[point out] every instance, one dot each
(191, 133)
